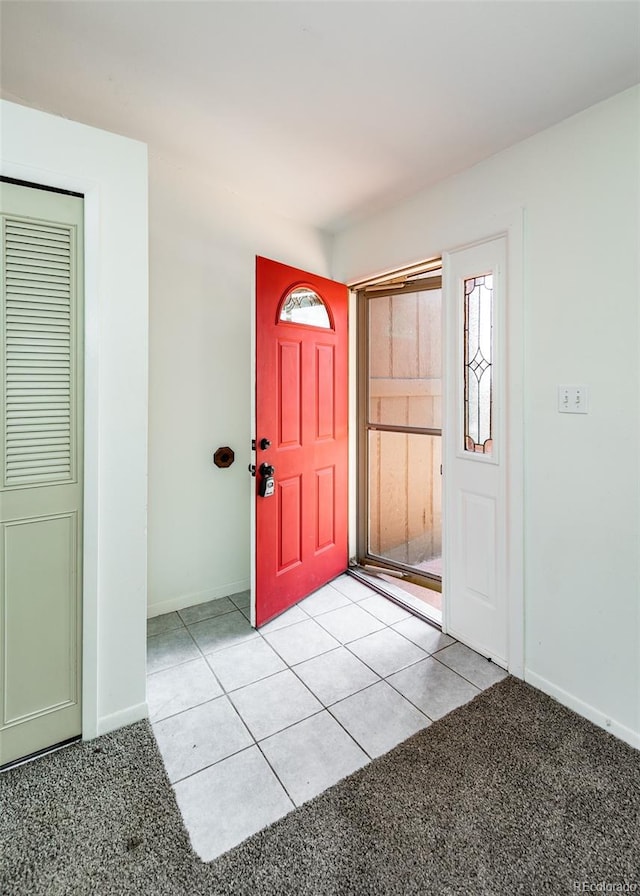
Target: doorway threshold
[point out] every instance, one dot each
(31, 757)
(399, 595)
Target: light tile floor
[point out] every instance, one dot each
(251, 724)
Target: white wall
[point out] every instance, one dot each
(579, 185)
(112, 173)
(203, 245)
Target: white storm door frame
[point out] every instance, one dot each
(508, 474)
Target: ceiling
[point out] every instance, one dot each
(322, 111)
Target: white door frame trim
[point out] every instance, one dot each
(511, 226)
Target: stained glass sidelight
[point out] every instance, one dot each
(304, 306)
(478, 364)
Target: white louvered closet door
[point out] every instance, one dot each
(41, 491)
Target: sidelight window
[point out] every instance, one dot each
(478, 364)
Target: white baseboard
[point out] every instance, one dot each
(628, 735)
(124, 717)
(200, 597)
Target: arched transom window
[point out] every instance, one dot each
(304, 306)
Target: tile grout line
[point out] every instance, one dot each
(277, 777)
(226, 691)
(229, 691)
(233, 609)
(274, 772)
(191, 659)
(212, 764)
(256, 743)
(203, 655)
(173, 715)
(265, 678)
(167, 631)
(383, 624)
(384, 677)
(380, 679)
(275, 649)
(463, 677)
(293, 668)
(432, 656)
(326, 708)
(391, 685)
(373, 685)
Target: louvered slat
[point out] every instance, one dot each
(38, 353)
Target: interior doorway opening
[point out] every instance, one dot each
(400, 435)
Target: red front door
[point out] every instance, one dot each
(301, 431)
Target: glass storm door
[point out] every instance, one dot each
(401, 514)
(301, 484)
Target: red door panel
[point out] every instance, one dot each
(302, 410)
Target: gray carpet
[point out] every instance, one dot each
(509, 794)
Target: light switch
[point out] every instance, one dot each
(573, 399)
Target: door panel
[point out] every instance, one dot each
(477, 516)
(326, 389)
(41, 355)
(326, 507)
(289, 521)
(290, 389)
(40, 558)
(301, 409)
(475, 454)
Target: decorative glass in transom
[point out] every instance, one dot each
(478, 364)
(304, 306)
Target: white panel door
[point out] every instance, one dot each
(475, 467)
